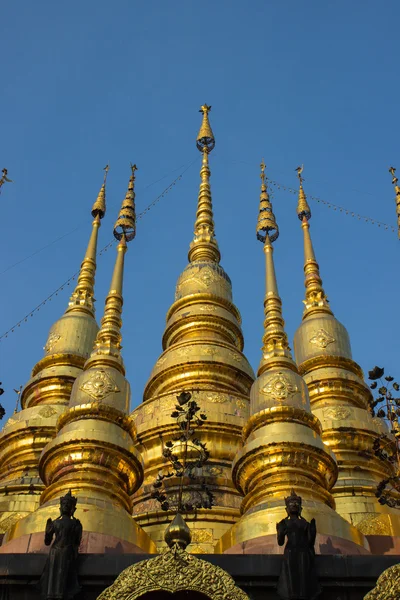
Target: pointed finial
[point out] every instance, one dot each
(303, 210)
(205, 140)
(275, 341)
(82, 298)
(316, 299)
(178, 533)
(395, 180)
(204, 245)
(125, 225)
(99, 207)
(266, 223)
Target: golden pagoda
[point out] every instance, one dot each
(202, 345)
(46, 395)
(339, 398)
(93, 453)
(282, 448)
(302, 424)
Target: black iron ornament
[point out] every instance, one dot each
(386, 406)
(183, 489)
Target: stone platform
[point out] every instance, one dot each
(342, 577)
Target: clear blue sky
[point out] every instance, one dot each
(86, 83)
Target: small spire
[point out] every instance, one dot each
(82, 298)
(125, 225)
(275, 340)
(99, 207)
(204, 245)
(108, 340)
(178, 533)
(316, 299)
(395, 180)
(266, 223)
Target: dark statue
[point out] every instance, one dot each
(59, 580)
(298, 579)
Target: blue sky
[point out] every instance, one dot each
(86, 83)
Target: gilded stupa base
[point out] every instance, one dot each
(107, 528)
(255, 533)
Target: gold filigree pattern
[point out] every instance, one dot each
(337, 413)
(235, 355)
(279, 387)
(216, 397)
(321, 338)
(52, 341)
(202, 536)
(99, 386)
(388, 585)
(173, 571)
(208, 308)
(373, 524)
(241, 403)
(161, 361)
(47, 411)
(8, 522)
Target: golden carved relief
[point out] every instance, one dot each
(47, 411)
(214, 472)
(235, 355)
(337, 412)
(388, 585)
(99, 386)
(161, 361)
(211, 351)
(216, 397)
(321, 338)
(202, 536)
(279, 387)
(52, 341)
(241, 403)
(373, 524)
(208, 308)
(8, 522)
(174, 570)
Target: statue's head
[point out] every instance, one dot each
(293, 504)
(68, 504)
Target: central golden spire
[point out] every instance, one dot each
(275, 341)
(204, 245)
(316, 300)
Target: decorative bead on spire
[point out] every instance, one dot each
(275, 340)
(395, 180)
(204, 245)
(108, 340)
(316, 299)
(82, 298)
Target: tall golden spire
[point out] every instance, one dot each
(204, 245)
(108, 340)
(282, 448)
(275, 341)
(395, 180)
(93, 453)
(316, 300)
(82, 298)
(339, 398)
(202, 353)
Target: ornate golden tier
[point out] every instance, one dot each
(93, 453)
(202, 345)
(339, 398)
(47, 393)
(282, 444)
